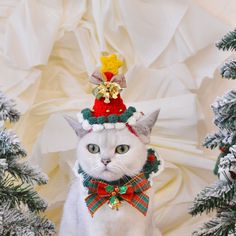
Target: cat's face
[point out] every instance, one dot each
(111, 154)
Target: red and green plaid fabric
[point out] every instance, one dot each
(132, 192)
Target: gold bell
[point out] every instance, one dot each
(115, 204)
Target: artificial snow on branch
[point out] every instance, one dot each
(228, 42)
(210, 198)
(228, 70)
(221, 225)
(20, 204)
(221, 196)
(224, 109)
(22, 223)
(7, 109)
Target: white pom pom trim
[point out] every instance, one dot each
(86, 125)
(99, 127)
(119, 125)
(80, 117)
(109, 125)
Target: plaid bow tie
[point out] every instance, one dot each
(132, 192)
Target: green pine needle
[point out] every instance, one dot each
(20, 204)
(222, 225)
(216, 168)
(228, 42)
(26, 173)
(224, 109)
(7, 109)
(16, 222)
(228, 70)
(213, 197)
(221, 196)
(213, 140)
(10, 145)
(20, 194)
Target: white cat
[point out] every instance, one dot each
(109, 155)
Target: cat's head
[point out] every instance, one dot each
(111, 154)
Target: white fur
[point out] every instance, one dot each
(119, 125)
(127, 221)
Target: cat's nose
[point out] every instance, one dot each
(105, 161)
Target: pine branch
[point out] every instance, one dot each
(7, 110)
(215, 196)
(216, 167)
(3, 167)
(19, 223)
(20, 204)
(228, 69)
(228, 42)
(213, 140)
(27, 173)
(221, 139)
(222, 225)
(230, 138)
(42, 226)
(225, 111)
(21, 194)
(10, 145)
(221, 196)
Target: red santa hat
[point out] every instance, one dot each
(109, 110)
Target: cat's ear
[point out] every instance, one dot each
(143, 127)
(77, 127)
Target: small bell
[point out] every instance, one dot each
(114, 203)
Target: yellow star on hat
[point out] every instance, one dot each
(110, 64)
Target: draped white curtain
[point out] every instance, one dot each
(49, 48)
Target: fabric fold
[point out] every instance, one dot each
(48, 49)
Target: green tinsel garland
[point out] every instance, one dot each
(88, 115)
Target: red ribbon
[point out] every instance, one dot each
(128, 196)
(132, 192)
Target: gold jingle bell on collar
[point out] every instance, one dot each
(115, 204)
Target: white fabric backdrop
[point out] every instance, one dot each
(48, 49)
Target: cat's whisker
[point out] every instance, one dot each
(126, 170)
(120, 169)
(115, 167)
(87, 176)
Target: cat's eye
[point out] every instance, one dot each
(93, 148)
(122, 149)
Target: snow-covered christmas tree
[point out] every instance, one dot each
(221, 196)
(20, 204)
(228, 42)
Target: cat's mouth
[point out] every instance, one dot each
(108, 174)
(106, 169)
